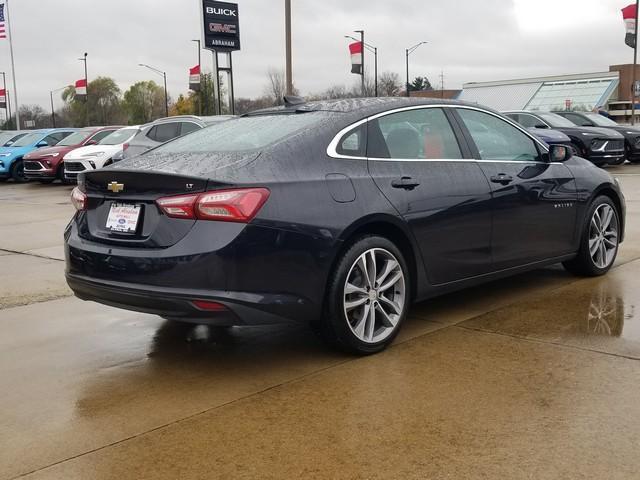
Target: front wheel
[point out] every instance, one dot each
(600, 240)
(368, 297)
(17, 172)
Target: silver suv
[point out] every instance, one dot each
(156, 133)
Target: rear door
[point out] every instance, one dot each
(418, 163)
(534, 201)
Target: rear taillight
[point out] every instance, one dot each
(79, 199)
(209, 306)
(125, 147)
(239, 205)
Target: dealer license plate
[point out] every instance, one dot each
(123, 218)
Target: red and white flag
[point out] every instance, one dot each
(81, 89)
(194, 78)
(3, 31)
(630, 15)
(3, 98)
(356, 57)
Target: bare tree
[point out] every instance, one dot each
(276, 87)
(389, 84)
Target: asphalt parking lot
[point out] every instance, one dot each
(531, 377)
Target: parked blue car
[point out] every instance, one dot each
(11, 157)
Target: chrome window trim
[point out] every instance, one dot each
(333, 146)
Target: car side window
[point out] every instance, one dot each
(100, 135)
(528, 121)
(151, 134)
(354, 142)
(167, 131)
(53, 139)
(578, 120)
(188, 127)
(497, 139)
(421, 134)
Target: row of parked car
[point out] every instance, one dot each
(590, 135)
(62, 153)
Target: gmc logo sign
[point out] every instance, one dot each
(222, 28)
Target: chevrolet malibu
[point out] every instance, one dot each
(338, 213)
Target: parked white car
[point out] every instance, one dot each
(97, 156)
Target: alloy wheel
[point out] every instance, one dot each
(603, 236)
(374, 295)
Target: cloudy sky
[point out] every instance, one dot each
(470, 40)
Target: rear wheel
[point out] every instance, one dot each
(17, 172)
(368, 297)
(600, 240)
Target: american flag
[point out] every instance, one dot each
(3, 32)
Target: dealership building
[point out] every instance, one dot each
(584, 92)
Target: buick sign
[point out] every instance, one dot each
(221, 26)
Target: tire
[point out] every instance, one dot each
(598, 251)
(17, 172)
(372, 321)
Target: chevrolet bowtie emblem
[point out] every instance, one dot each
(115, 187)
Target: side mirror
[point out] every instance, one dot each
(560, 153)
(542, 126)
(42, 143)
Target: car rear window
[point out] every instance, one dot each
(244, 134)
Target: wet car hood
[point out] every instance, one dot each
(43, 152)
(593, 132)
(549, 135)
(79, 153)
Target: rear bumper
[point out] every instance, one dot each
(177, 304)
(262, 275)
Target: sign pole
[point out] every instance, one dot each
(289, 69)
(635, 62)
(7, 107)
(232, 98)
(13, 67)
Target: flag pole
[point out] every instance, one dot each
(635, 62)
(13, 67)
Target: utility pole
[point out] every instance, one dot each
(441, 83)
(409, 51)
(634, 74)
(13, 65)
(53, 112)
(200, 67)
(289, 56)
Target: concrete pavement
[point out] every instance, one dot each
(530, 377)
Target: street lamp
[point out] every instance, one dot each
(53, 112)
(373, 49)
(164, 75)
(361, 32)
(86, 82)
(409, 52)
(200, 67)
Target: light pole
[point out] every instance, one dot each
(164, 75)
(373, 49)
(6, 99)
(289, 61)
(53, 112)
(200, 67)
(361, 32)
(86, 82)
(409, 52)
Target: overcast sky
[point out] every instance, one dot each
(470, 40)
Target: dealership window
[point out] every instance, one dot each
(422, 134)
(497, 139)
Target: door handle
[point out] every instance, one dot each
(502, 179)
(407, 183)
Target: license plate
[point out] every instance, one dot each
(123, 218)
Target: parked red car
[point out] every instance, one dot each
(46, 165)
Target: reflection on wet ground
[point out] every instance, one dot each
(477, 381)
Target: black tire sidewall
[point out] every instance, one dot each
(335, 320)
(585, 256)
(14, 172)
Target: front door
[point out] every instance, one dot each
(419, 165)
(534, 201)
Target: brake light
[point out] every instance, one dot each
(79, 199)
(238, 205)
(125, 147)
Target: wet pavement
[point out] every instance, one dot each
(531, 377)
